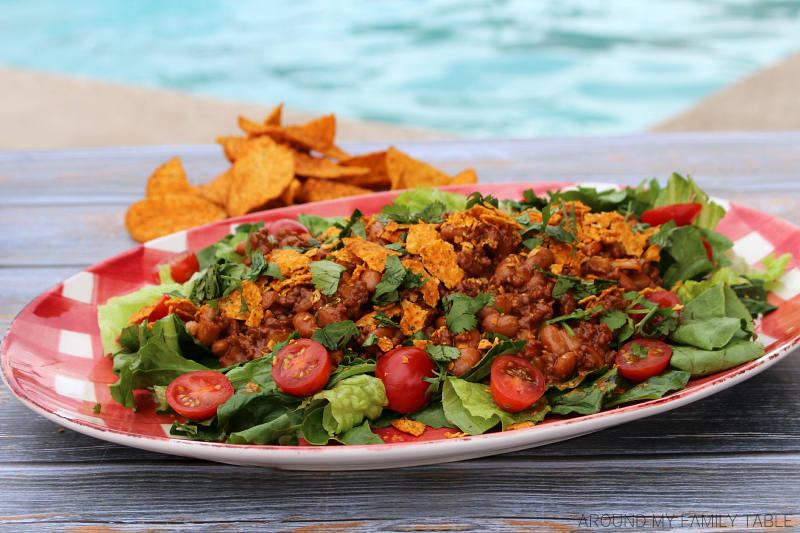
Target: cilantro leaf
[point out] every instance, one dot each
(335, 336)
(578, 314)
(325, 276)
(460, 310)
(384, 321)
(529, 201)
(393, 276)
(260, 267)
(396, 247)
(614, 319)
(477, 198)
(443, 353)
(638, 350)
(582, 288)
(402, 214)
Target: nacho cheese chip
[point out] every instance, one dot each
(372, 253)
(405, 172)
(439, 258)
(161, 215)
(217, 189)
(419, 235)
(316, 190)
(375, 163)
(316, 167)
(261, 174)
(169, 178)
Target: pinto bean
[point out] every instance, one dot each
(565, 365)
(305, 324)
(507, 325)
(469, 357)
(328, 314)
(558, 341)
(543, 258)
(468, 338)
(370, 278)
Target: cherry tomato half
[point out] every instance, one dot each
(515, 383)
(181, 266)
(639, 369)
(682, 214)
(707, 246)
(402, 371)
(302, 368)
(158, 310)
(287, 224)
(664, 299)
(197, 395)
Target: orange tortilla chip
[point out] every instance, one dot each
(232, 146)
(378, 176)
(468, 177)
(413, 318)
(405, 172)
(217, 189)
(274, 118)
(412, 427)
(372, 253)
(430, 291)
(291, 191)
(161, 215)
(419, 235)
(261, 174)
(289, 261)
(316, 190)
(169, 178)
(184, 308)
(439, 258)
(232, 305)
(317, 167)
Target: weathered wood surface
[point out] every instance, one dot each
(737, 452)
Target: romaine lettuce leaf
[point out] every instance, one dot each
(703, 362)
(351, 401)
(418, 199)
(113, 316)
(680, 190)
(651, 388)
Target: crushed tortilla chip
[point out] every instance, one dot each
(430, 291)
(283, 286)
(169, 178)
(289, 261)
(520, 425)
(385, 344)
(232, 305)
(261, 174)
(412, 427)
(439, 258)
(421, 344)
(183, 307)
(485, 344)
(419, 235)
(413, 318)
(455, 435)
(372, 253)
(162, 215)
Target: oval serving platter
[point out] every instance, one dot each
(52, 357)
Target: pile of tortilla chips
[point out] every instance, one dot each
(275, 166)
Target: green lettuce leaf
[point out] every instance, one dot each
(113, 316)
(418, 199)
(692, 289)
(776, 267)
(586, 399)
(680, 190)
(703, 362)
(651, 388)
(317, 225)
(351, 401)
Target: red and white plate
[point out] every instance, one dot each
(52, 358)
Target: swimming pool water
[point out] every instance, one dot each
(502, 68)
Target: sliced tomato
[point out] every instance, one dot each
(287, 224)
(302, 368)
(197, 395)
(664, 299)
(707, 246)
(682, 214)
(637, 368)
(516, 383)
(181, 267)
(158, 310)
(403, 372)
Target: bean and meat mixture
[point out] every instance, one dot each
(396, 282)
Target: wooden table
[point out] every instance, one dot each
(735, 453)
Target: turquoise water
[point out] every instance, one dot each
(504, 68)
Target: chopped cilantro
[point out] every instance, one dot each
(335, 336)
(384, 321)
(614, 319)
(371, 340)
(260, 267)
(393, 276)
(97, 408)
(582, 289)
(396, 247)
(443, 353)
(477, 198)
(325, 276)
(460, 310)
(578, 314)
(637, 350)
